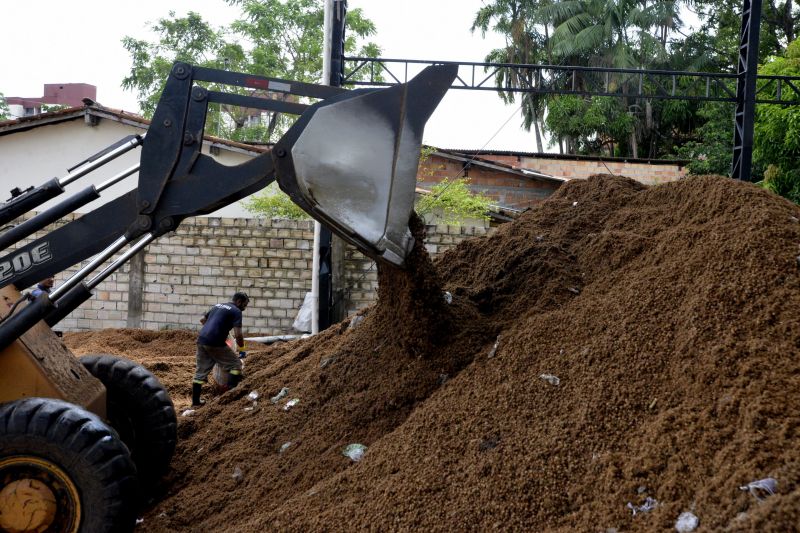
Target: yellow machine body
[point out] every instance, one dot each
(39, 365)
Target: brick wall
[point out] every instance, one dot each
(208, 258)
(645, 172)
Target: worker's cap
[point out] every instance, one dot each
(240, 297)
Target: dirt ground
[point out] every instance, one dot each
(615, 346)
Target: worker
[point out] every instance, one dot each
(44, 286)
(211, 348)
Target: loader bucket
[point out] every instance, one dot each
(351, 161)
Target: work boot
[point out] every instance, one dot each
(234, 379)
(196, 401)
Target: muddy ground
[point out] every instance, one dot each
(617, 345)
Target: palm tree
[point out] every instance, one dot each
(612, 33)
(526, 43)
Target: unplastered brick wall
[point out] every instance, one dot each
(208, 258)
(361, 273)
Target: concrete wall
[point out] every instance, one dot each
(210, 258)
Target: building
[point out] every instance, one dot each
(40, 147)
(58, 94)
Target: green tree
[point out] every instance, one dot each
(776, 145)
(282, 39)
(526, 43)
(593, 124)
(451, 202)
(709, 148)
(5, 113)
(274, 203)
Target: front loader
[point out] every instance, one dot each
(81, 440)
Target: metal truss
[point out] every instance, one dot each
(585, 81)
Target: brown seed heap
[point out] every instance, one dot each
(644, 342)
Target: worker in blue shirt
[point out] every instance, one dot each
(44, 286)
(211, 347)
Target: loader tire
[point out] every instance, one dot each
(141, 411)
(62, 469)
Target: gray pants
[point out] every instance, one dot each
(208, 356)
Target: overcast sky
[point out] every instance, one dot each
(80, 42)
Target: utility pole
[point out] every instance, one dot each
(328, 263)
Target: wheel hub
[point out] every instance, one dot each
(37, 496)
(27, 505)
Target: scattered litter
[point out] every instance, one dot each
(285, 446)
(762, 488)
(188, 412)
(493, 351)
(281, 395)
(237, 474)
(443, 378)
(686, 522)
(448, 298)
(574, 290)
(641, 490)
(325, 362)
(291, 403)
(355, 321)
(574, 204)
(540, 237)
(652, 404)
(250, 408)
(648, 505)
(253, 395)
(551, 379)
(139, 521)
(354, 451)
(794, 219)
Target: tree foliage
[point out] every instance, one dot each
(5, 113)
(274, 203)
(451, 202)
(777, 132)
(646, 34)
(272, 38)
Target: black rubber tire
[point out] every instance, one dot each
(88, 451)
(141, 411)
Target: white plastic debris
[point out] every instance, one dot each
(285, 446)
(574, 290)
(493, 351)
(237, 474)
(551, 379)
(354, 451)
(574, 204)
(355, 321)
(250, 408)
(139, 521)
(648, 505)
(448, 298)
(253, 395)
(188, 412)
(281, 395)
(686, 522)
(291, 403)
(762, 488)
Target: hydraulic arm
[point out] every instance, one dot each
(350, 161)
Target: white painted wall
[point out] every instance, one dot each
(32, 157)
